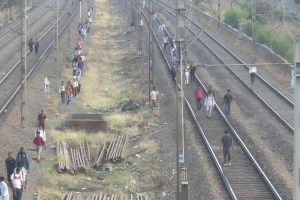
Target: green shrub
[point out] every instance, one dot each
(281, 45)
(262, 34)
(247, 27)
(233, 17)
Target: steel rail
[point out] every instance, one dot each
(31, 14)
(241, 143)
(290, 102)
(276, 114)
(37, 62)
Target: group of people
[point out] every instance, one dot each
(18, 167)
(70, 89)
(34, 45)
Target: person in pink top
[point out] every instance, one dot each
(199, 95)
(79, 43)
(39, 143)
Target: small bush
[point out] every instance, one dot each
(247, 27)
(262, 34)
(233, 17)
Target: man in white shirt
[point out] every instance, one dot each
(4, 195)
(154, 97)
(17, 184)
(252, 72)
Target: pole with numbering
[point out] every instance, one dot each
(297, 123)
(150, 50)
(23, 60)
(56, 35)
(182, 182)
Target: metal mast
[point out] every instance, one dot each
(151, 72)
(297, 124)
(182, 183)
(56, 34)
(23, 60)
(253, 24)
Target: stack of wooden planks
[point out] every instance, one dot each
(113, 151)
(72, 196)
(73, 159)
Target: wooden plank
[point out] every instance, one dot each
(87, 163)
(88, 150)
(66, 154)
(117, 147)
(73, 159)
(109, 148)
(119, 152)
(101, 154)
(83, 156)
(123, 155)
(98, 153)
(112, 156)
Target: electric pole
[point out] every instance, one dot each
(23, 60)
(140, 28)
(182, 182)
(79, 10)
(56, 34)
(253, 24)
(297, 124)
(69, 38)
(151, 72)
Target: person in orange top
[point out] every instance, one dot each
(68, 90)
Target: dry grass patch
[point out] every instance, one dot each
(118, 121)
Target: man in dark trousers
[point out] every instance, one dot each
(36, 46)
(41, 120)
(22, 159)
(227, 101)
(227, 145)
(30, 44)
(193, 72)
(10, 165)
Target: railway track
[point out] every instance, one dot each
(273, 99)
(11, 33)
(245, 178)
(9, 87)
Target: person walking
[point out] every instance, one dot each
(4, 194)
(22, 159)
(173, 54)
(227, 101)
(154, 97)
(227, 145)
(79, 43)
(187, 74)
(39, 143)
(173, 73)
(209, 104)
(41, 120)
(165, 41)
(68, 90)
(199, 95)
(10, 165)
(17, 184)
(193, 72)
(79, 79)
(75, 86)
(211, 90)
(80, 66)
(62, 92)
(30, 44)
(252, 72)
(36, 46)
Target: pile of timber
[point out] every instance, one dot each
(113, 151)
(73, 159)
(72, 196)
